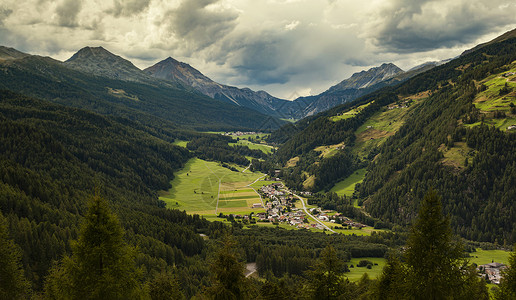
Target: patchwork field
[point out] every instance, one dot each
(205, 187)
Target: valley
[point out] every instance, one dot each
(161, 179)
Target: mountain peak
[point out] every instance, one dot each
(368, 78)
(101, 62)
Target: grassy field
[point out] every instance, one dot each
(195, 189)
(357, 272)
(262, 147)
(481, 257)
(180, 143)
(350, 113)
(490, 100)
(347, 186)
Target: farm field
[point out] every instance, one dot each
(197, 187)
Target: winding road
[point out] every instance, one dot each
(309, 214)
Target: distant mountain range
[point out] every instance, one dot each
(347, 90)
(182, 73)
(172, 74)
(97, 80)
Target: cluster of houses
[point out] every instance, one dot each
(280, 207)
(240, 133)
(335, 218)
(492, 271)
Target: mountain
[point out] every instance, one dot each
(100, 81)
(368, 78)
(100, 62)
(508, 35)
(448, 128)
(357, 85)
(10, 53)
(184, 74)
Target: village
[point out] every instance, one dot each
(281, 208)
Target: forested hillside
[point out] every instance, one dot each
(54, 158)
(446, 128)
(148, 103)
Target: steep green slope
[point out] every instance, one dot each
(155, 103)
(426, 132)
(53, 158)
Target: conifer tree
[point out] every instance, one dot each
(228, 274)
(13, 284)
(325, 279)
(165, 286)
(436, 268)
(102, 264)
(433, 259)
(391, 282)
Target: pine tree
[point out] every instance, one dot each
(391, 282)
(325, 279)
(101, 266)
(13, 284)
(228, 274)
(165, 286)
(435, 263)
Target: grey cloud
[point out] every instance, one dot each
(67, 13)
(199, 26)
(4, 13)
(126, 8)
(422, 25)
(280, 56)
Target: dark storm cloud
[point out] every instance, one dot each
(199, 25)
(67, 12)
(421, 25)
(126, 8)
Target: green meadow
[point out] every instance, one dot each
(357, 272)
(482, 257)
(347, 186)
(196, 187)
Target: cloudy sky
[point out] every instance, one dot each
(286, 47)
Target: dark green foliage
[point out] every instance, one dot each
(434, 267)
(102, 265)
(391, 283)
(278, 251)
(229, 281)
(325, 279)
(165, 286)
(13, 284)
(51, 157)
(156, 104)
(434, 261)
